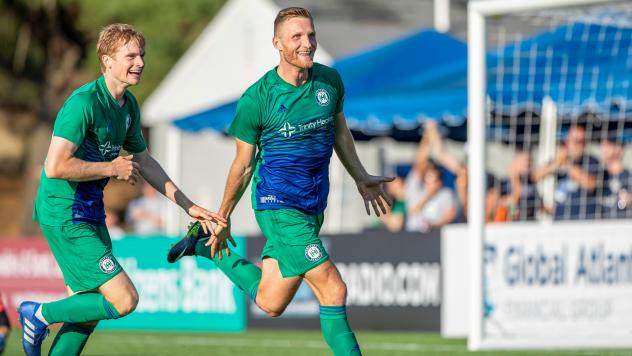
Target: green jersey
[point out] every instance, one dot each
(293, 128)
(91, 119)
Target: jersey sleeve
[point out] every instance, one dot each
(246, 125)
(134, 140)
(74, 119)
(340, 86)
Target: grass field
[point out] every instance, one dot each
(277, 343)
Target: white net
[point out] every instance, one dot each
(559, 93)
(559, 137)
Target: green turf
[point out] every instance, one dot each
(277, 343)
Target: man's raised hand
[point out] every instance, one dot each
(206, 218)
(371, 189)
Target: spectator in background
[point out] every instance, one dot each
(145, 213)
(430, 204)
(492, 194)
(5, 327)
(396, 219)
(519, 195)
(576, 173)
(616, 199)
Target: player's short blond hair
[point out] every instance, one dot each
(113, 36)
(289, 13)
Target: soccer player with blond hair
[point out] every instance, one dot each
(286, 128)
(96, 122)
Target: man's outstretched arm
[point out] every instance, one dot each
(370, 187)
(238, 179)
(153, 173)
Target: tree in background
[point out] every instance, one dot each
(48, 45)
(48, 50)
(44, 52)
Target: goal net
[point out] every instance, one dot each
(549, 131)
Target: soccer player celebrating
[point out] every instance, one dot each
(286, 127)
(94, 124)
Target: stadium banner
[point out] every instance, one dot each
(191, 294)
(559, 282)
(393, 282)
(28, 271)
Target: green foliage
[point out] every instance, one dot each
(169, 27)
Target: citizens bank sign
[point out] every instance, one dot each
(191, 294)
(188, 288)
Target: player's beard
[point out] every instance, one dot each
(293, 58)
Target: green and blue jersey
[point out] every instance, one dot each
(293, 129)
(91, 119)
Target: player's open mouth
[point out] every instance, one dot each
(136, 73)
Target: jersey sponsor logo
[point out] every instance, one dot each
(316, 124)
(287, 130)
(109, 151)
(107, 264)
(322, 97)
(105, 148)
(128, 121)
(312, 253)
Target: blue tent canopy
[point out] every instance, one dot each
(585, 68)
(415, 62)
(217, 119)
(393, 88)
(582, 67)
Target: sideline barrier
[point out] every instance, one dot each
(189, 295)
(551, 282)
(393, 282)
(28, 271)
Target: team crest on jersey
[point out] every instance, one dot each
(128, 122)
(322, 97)
(107, 264)
(312, 252)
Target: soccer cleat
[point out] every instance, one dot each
(33, 330)
(186, 246)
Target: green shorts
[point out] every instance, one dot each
(84, 254)
(292, 239)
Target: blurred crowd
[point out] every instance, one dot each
(432, 191)
(142, 217)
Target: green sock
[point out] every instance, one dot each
(240, 271)
(71, 339)
(79, 308)
(336, 330)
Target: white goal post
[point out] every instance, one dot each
(478, 12)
